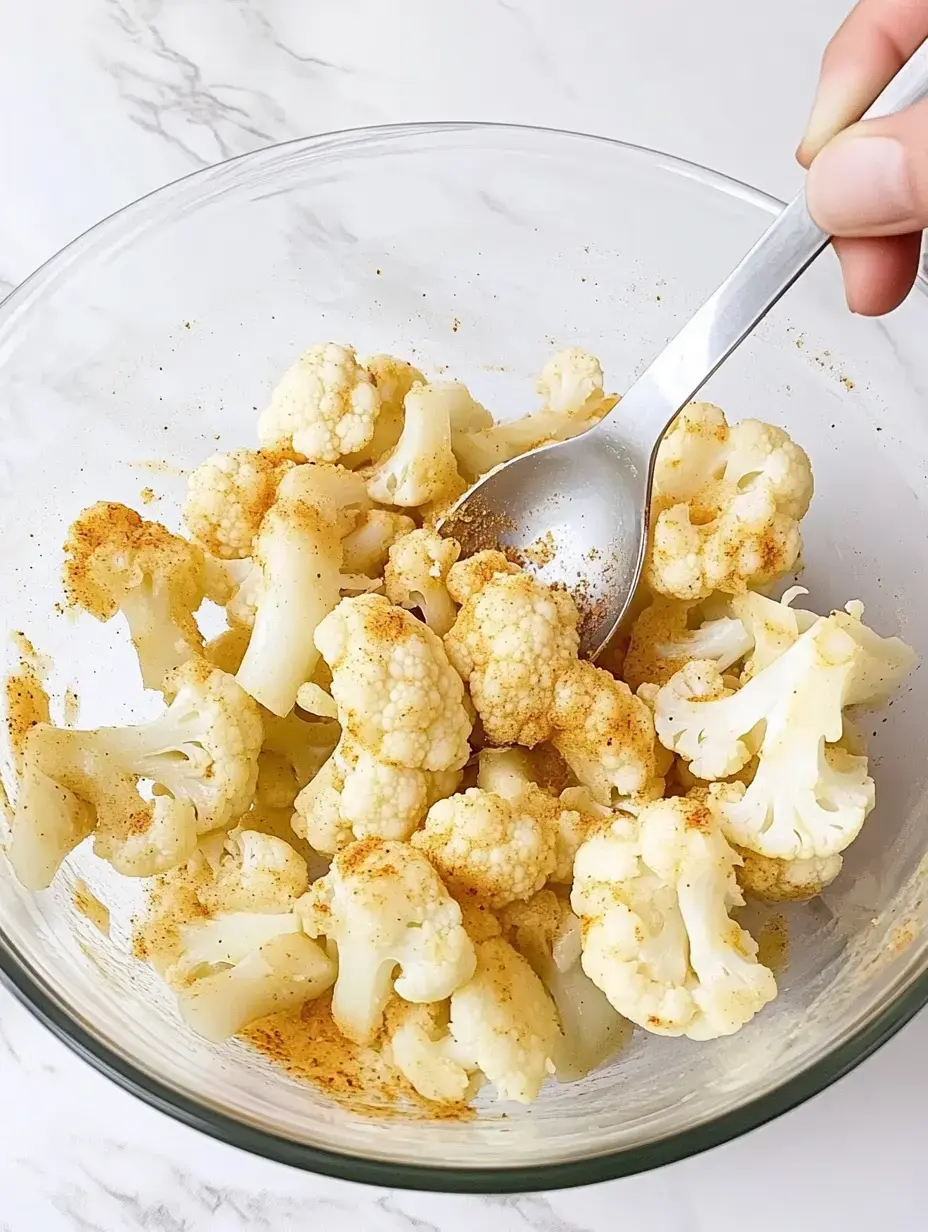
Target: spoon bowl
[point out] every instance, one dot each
(575, 514)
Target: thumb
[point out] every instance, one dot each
(872, 179)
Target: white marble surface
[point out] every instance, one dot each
(102, 100)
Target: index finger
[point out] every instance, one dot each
(870, 47)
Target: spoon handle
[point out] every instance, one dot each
(783, 252)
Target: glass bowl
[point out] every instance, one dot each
(473, 250)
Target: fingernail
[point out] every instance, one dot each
(832, 111)
(860, 185)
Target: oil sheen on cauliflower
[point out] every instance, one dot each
(653, 896)
(324, 406)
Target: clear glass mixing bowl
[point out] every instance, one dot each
(472, 249)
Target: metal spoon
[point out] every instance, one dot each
(592, 494)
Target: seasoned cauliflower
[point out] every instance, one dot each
(419, 1044)
(727, 504)
(669, 633)
(203, 749)
(605, 734)
(355, 796)
(366, 549)
(416, 576)
(228, 495)
(222, 932)
(384, 906)
(298, 552)
(421, 469)
(324, 406)
(398, 697)
(780, 881)
(653, 896)
(116, 562)
(547, 934)
(806, 799)
(486, 845)
(504, 1023)
(571, 384)
(394, 379)
(294, 751)
(512, 641)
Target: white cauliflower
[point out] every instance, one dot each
(419, 1044)
(117, 562)
(571, 384)
(282, 974)
(669, 633)
(512, 641)
(653, 897)
(780, 881)
(421, 469)
(222, 932)
(228, 495)
(605, 734)
(398, 696)
(366, 549)
(806, 799)
(504, 1023)
(355, 796)
(547, 934)
(294, 751)
(486, 845)
(324, 406)
(416, 576)
(394, 379)
(298, 552)
(727, 503)
(384, 907)
(49, 819)
(203, 749)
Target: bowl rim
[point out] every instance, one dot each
(14, 970)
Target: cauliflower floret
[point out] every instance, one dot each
(255, 873)
(356, 796)
(780, 881)
(72, 786)
(394, 379)
(669, 633)
(298, 552)
(468, 577)
(325, 405)
(293, 753)
(547, 934)
(726, 506)
(772, 628)
(421, 469)
(116, 562)
(384, 906)
(806, 799)
(282, 974)
(571, 384)
(366, 549)
(416, 577)
(512, 641)
(228, 495)
(653, 898)
(486, 845)
(581, 815)
(27, 705)
(605, 734)
(204, 747)
(398, 696)
(419, 1045)
(504, 1023)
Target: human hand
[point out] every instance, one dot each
(868, 186)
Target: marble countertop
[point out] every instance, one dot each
(103, 100)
